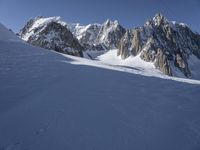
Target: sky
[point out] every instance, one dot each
(130, 13)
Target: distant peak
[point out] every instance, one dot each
(116, 22)
(108, 22)
(39, 17)
(56, 18)
(158, 15)
(159, 19)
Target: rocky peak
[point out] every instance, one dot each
(39, 22)
(86, 34)
(98, 36)
(110, 34)
(168, 45)
(51, 33)
(159, 19)
(108, 23)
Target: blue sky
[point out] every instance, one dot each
(130, 13)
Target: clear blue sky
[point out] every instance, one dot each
(130, 13)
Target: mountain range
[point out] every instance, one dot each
(171, 47)
(50, 100)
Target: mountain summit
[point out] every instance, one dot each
(95, 36)
(170, 46)
(51, 33)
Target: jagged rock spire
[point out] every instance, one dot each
(169, 46)
(159, 19)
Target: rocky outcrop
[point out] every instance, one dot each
(167, 44)
(72, 38)
(49, 33)
(161, 62)
(110, 34)
(86, 35)
(104, 36)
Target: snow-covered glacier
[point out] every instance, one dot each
(54, 101)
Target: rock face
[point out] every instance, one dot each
(104, 36)
(72, 38)
(51, 33)
(110, 34)
(86, 35)
(168, 45)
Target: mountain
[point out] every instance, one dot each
(104, 36)
(171, 46)
(85, 34)
(52, 101)
(72, 38)
(51, 33)
(110, 34)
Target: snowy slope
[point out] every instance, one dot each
(6, 35)
(47, 103)
(133, 65)
(194, 64)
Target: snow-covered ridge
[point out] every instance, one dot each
(94, 36)
(39, 22)
(86, 34)
(51, 33)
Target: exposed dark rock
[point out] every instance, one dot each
(51, 35)
(165, 43)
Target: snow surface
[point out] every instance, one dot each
(194, 65)
(6, 35)
(134, 65)
(48, 103)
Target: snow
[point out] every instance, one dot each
(6, 35)
(41, 22)
(107, 28)
(183, 24)
(194, 64)
(81, 31)
(133, 65)
(136, 62)
(77, 29)
(92, 34)
(47, 102)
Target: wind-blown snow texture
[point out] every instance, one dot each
(47, 103)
